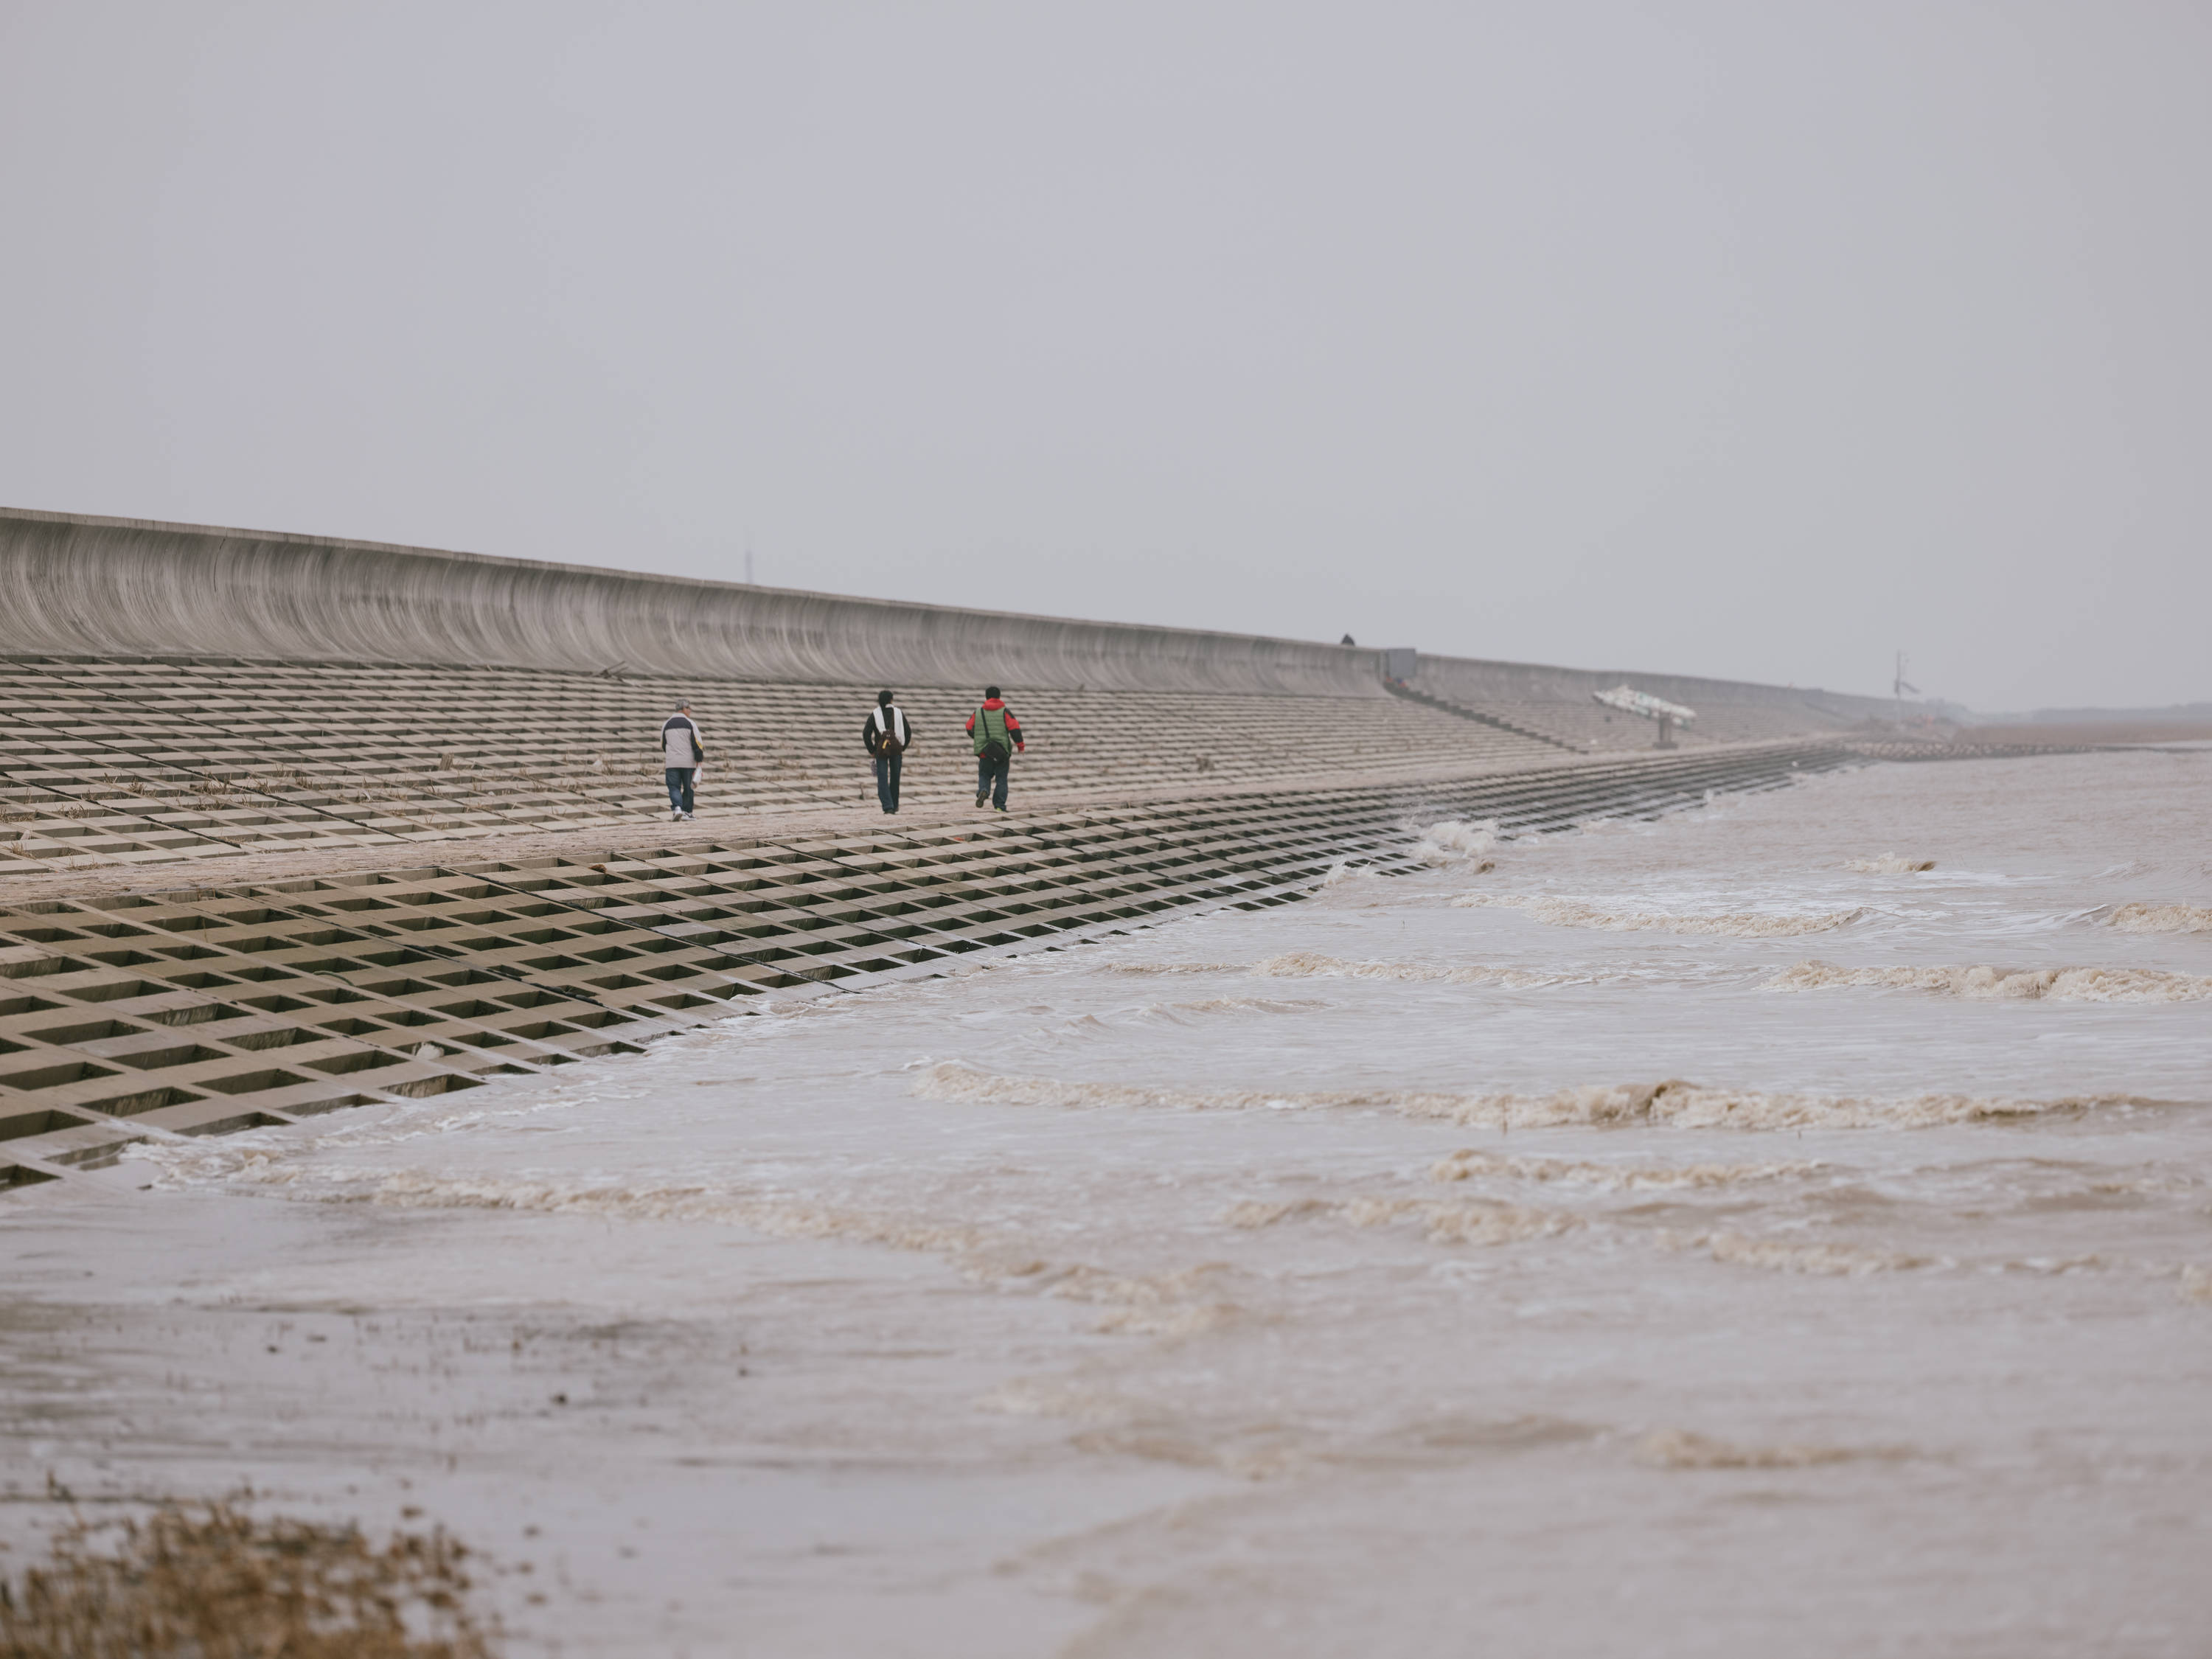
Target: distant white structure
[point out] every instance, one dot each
(1632, 701)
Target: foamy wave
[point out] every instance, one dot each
(1889, 864)
(1179, 1304)
(2005, 984)
(1678, 1449)
(1256, 1213)
(782, 1218)
(1455, 843)
(245, 1160)
(284, 1156)
(1791, 1256)
(2162, 919)
(1311, 964)
(1461, 1223)
(1478, 1223)
(1166, 1305)
(1673, 1104)
(1150, 968)
(1339, 873)
(1467, 1163)
(1247, 1004)
(1743, 924)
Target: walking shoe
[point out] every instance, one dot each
(687, 817)
(998, 809)
(676, 817)
(982, 796)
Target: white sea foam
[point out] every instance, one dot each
(1315, 964)
(1985, 984)
(1151, 968)
(1826, 1258)
(1461, 1223)
(1478, 1222)
(1678, 1449)
(290, 1157)
(1175, 1304)
(1674, 1103)
(420, 1190)
(1742, 924)
(1467, 1163)
(1454, 842)
(1246, 1005)
(1311, 964)
(1889, 864)
(2162, 919)
(1179, 1304)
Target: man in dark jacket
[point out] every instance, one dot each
(998, 737)
(887, 735)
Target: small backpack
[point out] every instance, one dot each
(887, 742)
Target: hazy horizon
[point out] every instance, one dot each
(1723, 342)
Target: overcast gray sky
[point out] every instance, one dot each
(1756, 340)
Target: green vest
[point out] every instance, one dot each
(991, 727)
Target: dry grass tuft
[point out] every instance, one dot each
(215, 1582)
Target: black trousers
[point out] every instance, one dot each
(991, 775)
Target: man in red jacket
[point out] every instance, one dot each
(998, 737)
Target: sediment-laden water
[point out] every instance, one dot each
(1721, 1236)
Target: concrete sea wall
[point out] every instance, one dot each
(77, 585)
(94, 587)
(1470, 680)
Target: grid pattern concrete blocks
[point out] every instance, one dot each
(105, 762)
(209, 1009)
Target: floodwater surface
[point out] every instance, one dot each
(1712, 1237)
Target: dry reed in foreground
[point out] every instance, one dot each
(215, 1583)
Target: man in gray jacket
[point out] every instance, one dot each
(683, 755)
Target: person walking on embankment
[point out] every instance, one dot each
(998, 737)
(887, 737)
(683, 755)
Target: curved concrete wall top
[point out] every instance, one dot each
(128, 587)
(1465, 679)
(92, 587)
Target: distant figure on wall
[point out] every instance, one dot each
(998, 737)
(683, 755)
(887, 736)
